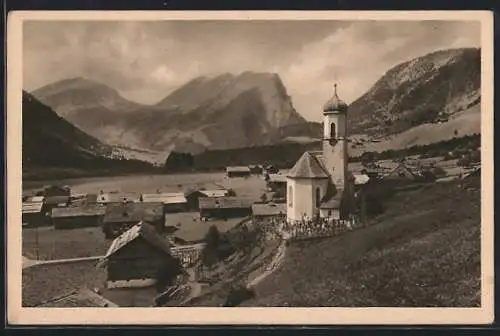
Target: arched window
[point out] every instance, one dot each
(333, 133)
(290, 196)
(318, 197)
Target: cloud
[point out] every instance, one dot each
(145, 61)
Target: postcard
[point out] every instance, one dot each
(250, 167)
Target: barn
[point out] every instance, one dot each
(77, 216)
(140, 257)
(172, 202)
(225, 207)
(119, 217)
(32, 214)
(238, 171)
(193, 196)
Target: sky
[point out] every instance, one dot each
(147, 60)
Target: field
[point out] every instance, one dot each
(44, 282)
(63, 244)
(423, 252)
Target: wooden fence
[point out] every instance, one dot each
(189, 254)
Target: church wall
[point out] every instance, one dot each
(304, 197)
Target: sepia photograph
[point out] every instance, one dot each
(320, 161)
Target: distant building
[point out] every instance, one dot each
(402, 173)
(225, 207)
(193, 196)
(77, 216)
(276, 181)
(256, 169)
(140, 257)
(271, 169)
(238, 171)
(106, 198)
(51, 202)
(120, 217)
(172, 202)
(262, 211)
(32, 214)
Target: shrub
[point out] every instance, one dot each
(238, 294)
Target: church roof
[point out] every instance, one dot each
(335, 104)
(308, 166)
(331, 202)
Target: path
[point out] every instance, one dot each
(30, 262)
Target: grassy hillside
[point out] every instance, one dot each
(424, 251)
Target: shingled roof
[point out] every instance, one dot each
(308, 166)
(143, 230)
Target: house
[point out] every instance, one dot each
(320, 183)
(276, 181)
(402, 173)
(172, 202)
(238, 171)
(256, 169)
(270, 169)
(51, 202)
(33, 215)
(140, 257)
(117, 197)
(119, 217)
(193, 196)
(225, 207)
(79, 298)
(262, 211)
(77, 216)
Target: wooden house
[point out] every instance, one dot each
(172, 202)
(266, 211)
(51, 202)
(140, 257)
(193, 196)
(33, 215)
(276, 182)
(256, 169)
(403, 174)
(225, 207)
(119, 217)
(77, 216)
(238, 171)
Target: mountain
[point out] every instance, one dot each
(426, 90)
(50, 141)
(195, 117)
(91, 106)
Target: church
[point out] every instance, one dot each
(320, 186)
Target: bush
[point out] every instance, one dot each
(238, 294)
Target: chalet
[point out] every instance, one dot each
(77, 216)
(256, 169)
(119, 217)
(402, 173)
(78, 298)
(115, 197)
(32, 214)
(172, 202)
(51, 202)
(276, 181)
(263, 211)
(225, 207)
(140, 257)
(238, 171)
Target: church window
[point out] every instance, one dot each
(318, 197)
(290, 196)
(332, 131)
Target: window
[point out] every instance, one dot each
(290, 196)
(332, 131)
(318, 197)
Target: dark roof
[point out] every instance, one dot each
(308, 166)
(133, 212)
(269, 209)
(78, 211)
(224, 202)
(143, 230)
(32, 207)
(79, 298)
(335, 103)
(54, 200)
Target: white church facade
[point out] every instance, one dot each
(320, 185)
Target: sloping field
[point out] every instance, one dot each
(424, 251)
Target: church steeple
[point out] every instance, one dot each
(334, 104)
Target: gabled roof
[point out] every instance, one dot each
(225, 202)
(32, 207)
(308, 166)
(269, 209)
(133, 212)
(165, 198)
(143, 230)
(78, 211)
